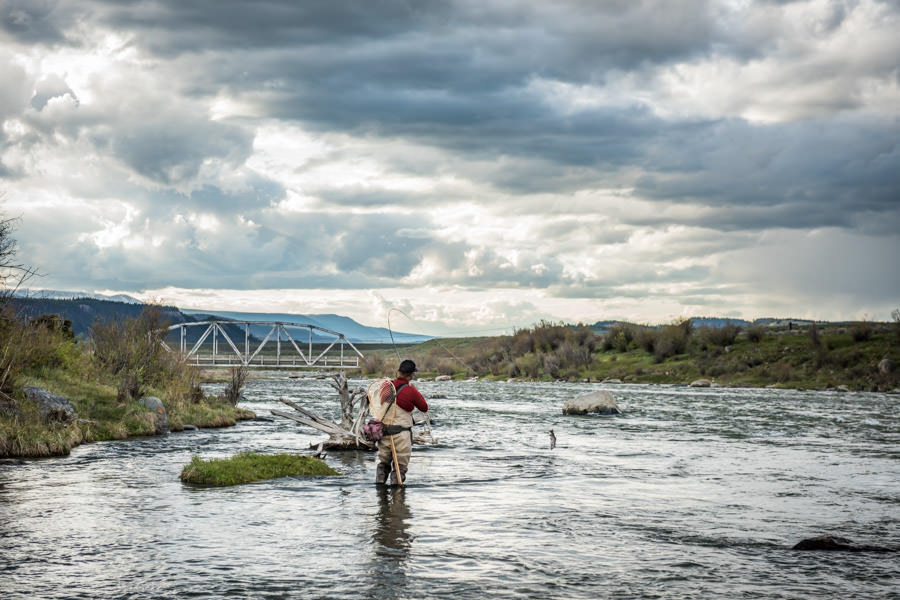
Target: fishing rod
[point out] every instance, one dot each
(436, 341)
(391, 331)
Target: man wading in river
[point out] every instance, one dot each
(408, 399)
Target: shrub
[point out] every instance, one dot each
(235, 386)
(861, 331)
(529, 365)
(131, 350)
(619, 337)
(645, 338)
(720, 336)
(756, 333)
(27, 346)
(550, 364)
(573, 354)
(375, 365)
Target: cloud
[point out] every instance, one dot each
(591, 155)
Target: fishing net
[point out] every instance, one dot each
(380, 393)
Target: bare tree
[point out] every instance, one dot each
(233, 391)
(12, 273)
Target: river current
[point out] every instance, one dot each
(691, 493)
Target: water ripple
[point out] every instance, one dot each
(690, 493)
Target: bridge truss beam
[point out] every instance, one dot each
(206, 353)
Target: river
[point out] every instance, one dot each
(690, 493)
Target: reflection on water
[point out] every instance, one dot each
(690, 493)
(391, 544)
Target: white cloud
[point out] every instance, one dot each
(487, 167)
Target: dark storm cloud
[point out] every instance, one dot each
(459, 76)
(36, 21)
(514, 103)
(798, 175)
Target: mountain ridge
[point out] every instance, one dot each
(84, 310)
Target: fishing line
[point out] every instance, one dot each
(391, 331)
(447, 350)
(427, 416)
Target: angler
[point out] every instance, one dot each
(396, 449)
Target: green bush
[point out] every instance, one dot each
(529, 365)
(131, 350)
(756, 333)
(645, 338)
(619, 337)
(720, 336)
(25, 347)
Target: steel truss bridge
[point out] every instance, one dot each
(209, 351)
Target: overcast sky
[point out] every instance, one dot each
(479, 164)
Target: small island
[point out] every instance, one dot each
(248, 467)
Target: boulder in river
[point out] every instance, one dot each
(835, 543)
(443, 378)
(53, 408)
(162, 419)
(601, 402)
(698, 383)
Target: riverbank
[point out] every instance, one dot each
(859, 357)
(57, 392)
(100, 416)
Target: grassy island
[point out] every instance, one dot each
(247, 467)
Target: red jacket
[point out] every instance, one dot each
(409, 397)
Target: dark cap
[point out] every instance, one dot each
(407, 367)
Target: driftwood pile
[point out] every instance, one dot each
(348, 434)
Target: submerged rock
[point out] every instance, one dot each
(835, 543)
(162, 419)
(601, 402)
(53, 408)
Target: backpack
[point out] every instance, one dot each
(374, 429)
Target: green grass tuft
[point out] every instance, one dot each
(249, 466)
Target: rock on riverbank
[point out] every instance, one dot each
(162, 419)
(53, 408)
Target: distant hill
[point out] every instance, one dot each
(83, 311)
(58, 295)
(602, 327)
(353, 331)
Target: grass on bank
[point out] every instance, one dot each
(827, 356)
(103, 381)
(247, 467)
(102, 416)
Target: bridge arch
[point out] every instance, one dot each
(324, 348)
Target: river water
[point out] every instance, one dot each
(690, 493)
